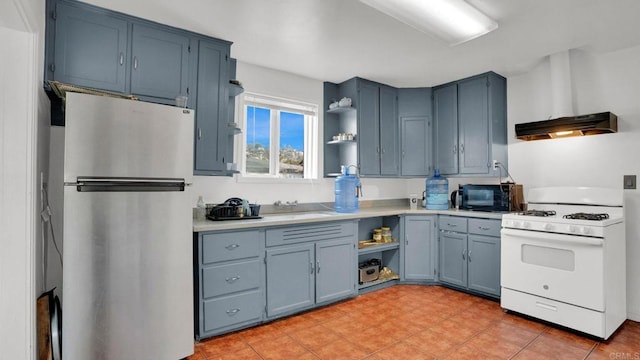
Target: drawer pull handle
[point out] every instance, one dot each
(232, 246)
(232, 312)
(483, 228)
(231, 280)
(546, 306)
(452, 225)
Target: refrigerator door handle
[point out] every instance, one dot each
(129, 185)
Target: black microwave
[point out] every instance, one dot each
(499, 198)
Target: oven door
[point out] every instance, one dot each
(566, 268)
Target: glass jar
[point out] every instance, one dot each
(377, 234)
(386, 234)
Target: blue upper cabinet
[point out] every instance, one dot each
(160, 62)
(90, 48)
(470, 125)
(414, 113)
(377, 129)
(212, 135)
(445, 114)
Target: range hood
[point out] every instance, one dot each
(600, 123)
(563, 123)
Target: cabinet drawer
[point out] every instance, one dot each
(484, 227)
(225, 279)
(220, 313)
(311, 232)
(231, 246)
(452, 223)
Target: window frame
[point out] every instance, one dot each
(276, 105)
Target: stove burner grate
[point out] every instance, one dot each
(538, 213)
(587, 216)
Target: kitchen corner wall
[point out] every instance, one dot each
(600, 82)
(260, 80)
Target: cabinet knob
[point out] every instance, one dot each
(463, 254)
(461, 148)
(232, 312)
(121, 58)
(317, 267)
(135, 63)
(231, 280)
(232, 246)
(469, 256)
(455, 148)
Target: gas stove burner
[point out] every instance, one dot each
(586, 216)
(538, 213)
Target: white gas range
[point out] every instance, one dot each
(563, 260)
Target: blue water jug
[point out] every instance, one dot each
(345, 190)
(437, 188)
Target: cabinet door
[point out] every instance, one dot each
(484, 264)
(473, 119)
(388, 131)
(160, 62)
(335, 275)
(90, 49)
(211, 123)
(418, 248)
(368, 129)
(415, 157)
(453, 258)
(290, 278)
(445, 116)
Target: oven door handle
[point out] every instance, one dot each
(553, 237)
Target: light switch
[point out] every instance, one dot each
(629, 182)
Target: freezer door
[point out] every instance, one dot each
(109, 137)
(127, 279)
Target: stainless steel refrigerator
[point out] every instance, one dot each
(128, 275)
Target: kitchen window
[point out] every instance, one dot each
(279, 138)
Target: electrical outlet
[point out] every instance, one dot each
(495, 164)
(629, 182)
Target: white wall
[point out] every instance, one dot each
(24, 124)
(261, 80)
(600, 82)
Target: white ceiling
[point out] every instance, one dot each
(335, 40)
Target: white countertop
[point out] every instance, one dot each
(321, 216)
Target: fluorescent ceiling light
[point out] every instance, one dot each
(454, 21)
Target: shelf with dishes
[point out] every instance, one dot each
(340, 109)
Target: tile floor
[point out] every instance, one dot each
(415, 322)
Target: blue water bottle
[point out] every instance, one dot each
(437, 188)
(346, 200)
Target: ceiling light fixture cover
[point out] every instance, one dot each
(454, 21)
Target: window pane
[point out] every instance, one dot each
(258, 140)
(291, 145)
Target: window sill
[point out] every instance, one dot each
(268, 180)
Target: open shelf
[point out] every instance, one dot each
(340, 109)
(374, 283)
(341, 142)
(235, 90)
(378, 248)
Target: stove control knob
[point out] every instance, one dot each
(586, 230)
(574, 229)
(526, 225)
(548, 227)
(516, 224)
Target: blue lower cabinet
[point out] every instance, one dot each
(303, 275)
(229, 281)
(419, 247)
(290, 279)
(470, 255)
